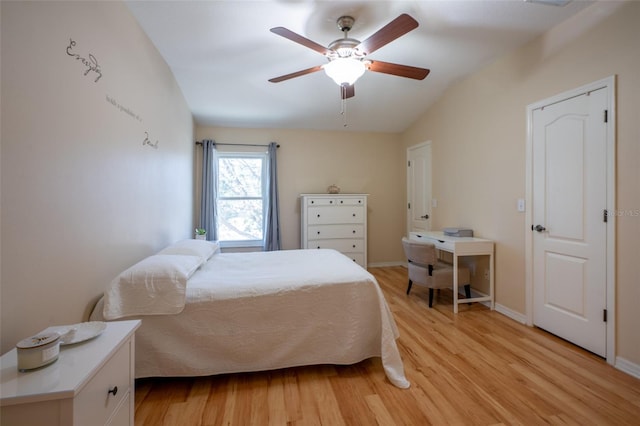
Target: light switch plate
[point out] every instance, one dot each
(520, 204)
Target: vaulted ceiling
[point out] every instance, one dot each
(223, 54)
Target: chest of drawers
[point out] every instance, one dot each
(335, 221)
(91, 383)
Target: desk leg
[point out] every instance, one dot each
(492, 283)
(455, 283)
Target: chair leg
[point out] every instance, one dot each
(430, 297)
(409, 288)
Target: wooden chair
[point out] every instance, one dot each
(425, 268)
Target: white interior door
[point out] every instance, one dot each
(419, 188)
(569, 227)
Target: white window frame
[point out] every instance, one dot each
(253, 155)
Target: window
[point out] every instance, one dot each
(241, 198)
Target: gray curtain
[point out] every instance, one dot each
(272, 218)
(209, 184)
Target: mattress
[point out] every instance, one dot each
(270, 310)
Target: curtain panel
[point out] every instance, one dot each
(209, 185)
(271, 240)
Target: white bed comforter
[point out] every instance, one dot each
(269, 310)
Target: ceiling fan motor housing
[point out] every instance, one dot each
(344, 47)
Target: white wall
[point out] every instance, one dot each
(82, 198)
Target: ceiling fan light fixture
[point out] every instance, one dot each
(344, 70)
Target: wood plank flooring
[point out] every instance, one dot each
(475, 368)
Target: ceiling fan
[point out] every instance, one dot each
(348, 57)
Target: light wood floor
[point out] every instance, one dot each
(476, 368)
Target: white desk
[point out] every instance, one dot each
(461, 246)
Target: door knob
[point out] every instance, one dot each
(538, 228)
(426, 216)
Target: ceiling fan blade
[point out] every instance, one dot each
(295, 74)
(281, 31)
(347, 91)
(394, 29)
(399, 70)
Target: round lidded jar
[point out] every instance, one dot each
(38, 351)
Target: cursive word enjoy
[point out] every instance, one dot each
(90, 61)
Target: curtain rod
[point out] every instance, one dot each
(237, 144)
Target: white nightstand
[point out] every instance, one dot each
(79, 388)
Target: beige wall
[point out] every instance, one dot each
(82, 198)
(478, 131)
(309, 161)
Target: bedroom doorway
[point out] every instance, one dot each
(570, 241)
(419, 188)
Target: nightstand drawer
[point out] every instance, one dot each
(100, 397)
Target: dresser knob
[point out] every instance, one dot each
(114, 391)
(318, 246)
(354, 246)
(354, 231)
(318, 232)
(318, 215)
(354, 215)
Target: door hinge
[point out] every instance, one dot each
(604, 315)
(606, 115)
(409, 163)
(605, 216)
(409, 206)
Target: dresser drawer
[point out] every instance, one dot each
(339, 201)
(357, 258)
(343, 245)
(355, 201)
(95, 404)
(321, 201)
(347, 214)
(317, 232)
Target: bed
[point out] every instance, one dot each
(205, 314)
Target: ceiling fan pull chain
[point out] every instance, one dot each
(343, 109)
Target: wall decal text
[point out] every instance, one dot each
(123, 108)
(90, 61)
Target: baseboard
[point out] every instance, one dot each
(628, 367)
(516, 316)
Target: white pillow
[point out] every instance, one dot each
(155, 285)
(202, 248)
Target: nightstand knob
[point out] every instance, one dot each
(114, 391)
